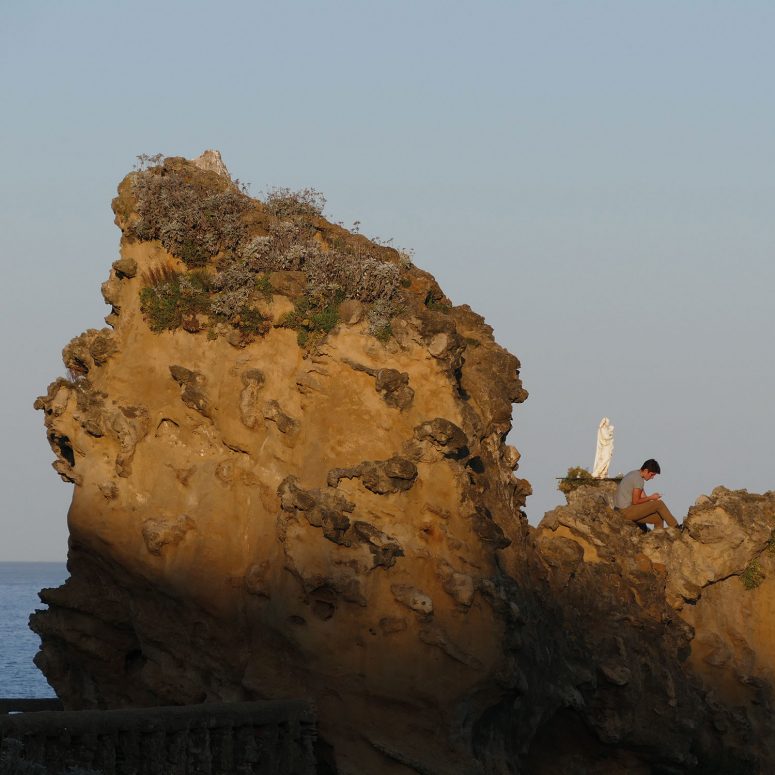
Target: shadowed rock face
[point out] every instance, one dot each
(269, 503)
(678, 626)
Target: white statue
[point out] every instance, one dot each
(605, 449)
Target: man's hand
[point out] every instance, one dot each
(655, 497)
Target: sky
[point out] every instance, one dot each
(595, 178)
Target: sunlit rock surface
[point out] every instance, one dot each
(291, 480)
(257, 518)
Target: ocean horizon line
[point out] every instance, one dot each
(33, 562)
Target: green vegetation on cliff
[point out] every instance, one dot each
(232, 243)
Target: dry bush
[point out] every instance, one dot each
(146, 161)
(197, 222)
(285, 203)
(380, 316)
(357, 276)
(192, 221)
(159, 274)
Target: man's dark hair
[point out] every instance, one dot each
(651, 465)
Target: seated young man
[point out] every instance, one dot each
(633, 504)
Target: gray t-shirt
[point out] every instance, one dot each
(631, 481)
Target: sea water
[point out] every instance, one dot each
(20, 583)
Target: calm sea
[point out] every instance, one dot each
(19, 585)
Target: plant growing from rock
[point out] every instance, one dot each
(753, 575)
(576, 477)
(285, 203)
(288, 247)
(437, 306)
(360, 277)
(233, 286)
(159, 274)
(191, 220)
(145, 161)
(200, 219)
(250, 321)
(263, 286)
(167, 302)
(314, 317)
(380, 316)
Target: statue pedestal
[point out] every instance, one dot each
(570, 486)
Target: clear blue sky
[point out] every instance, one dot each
(596, 178)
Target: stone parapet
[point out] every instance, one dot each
(207, 739)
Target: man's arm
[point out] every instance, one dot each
(638, 496)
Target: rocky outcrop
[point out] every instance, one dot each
(291, 480)
(275, 500)
(677, 624)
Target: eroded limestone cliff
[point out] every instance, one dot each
(291, 480)
(291, 477)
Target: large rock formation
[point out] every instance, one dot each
(291, 480)
(678, 624)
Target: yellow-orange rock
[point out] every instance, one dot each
(252, 518)
(291, 480)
